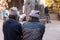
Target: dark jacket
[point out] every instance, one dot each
(33, 30)
(46, 11)
(12, 30)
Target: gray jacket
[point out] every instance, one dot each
(33, 30)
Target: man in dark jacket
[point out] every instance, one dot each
(47, 14)
(12, 28)
(33, 29)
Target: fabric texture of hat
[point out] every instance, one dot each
(34, 13)
(13, 11)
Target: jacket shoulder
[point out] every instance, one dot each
(38, 24)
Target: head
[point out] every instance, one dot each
(13, 14)
(34, 15)
(14, 8)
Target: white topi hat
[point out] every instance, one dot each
(34, 13)
(14, 12)
(15, 9)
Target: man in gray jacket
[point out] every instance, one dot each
(33, 29)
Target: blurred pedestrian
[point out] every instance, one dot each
(12, 29)
(23, 17)
(5, 14)
(59, 16)
(33, 29)
(5, 17)
(47, 14)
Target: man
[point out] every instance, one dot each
(12, 28)
(47, 14)
(15, 8)
(33, 29)
(59, 16)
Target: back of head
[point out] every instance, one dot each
(34, 14)
(13, 14)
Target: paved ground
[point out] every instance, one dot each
(52, 31)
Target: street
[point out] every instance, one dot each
(52, 31)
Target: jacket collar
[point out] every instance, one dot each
(34, 20)
(10, 20)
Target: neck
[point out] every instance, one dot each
(34, 20)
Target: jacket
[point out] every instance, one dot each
(33, 30)
(12, 30)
